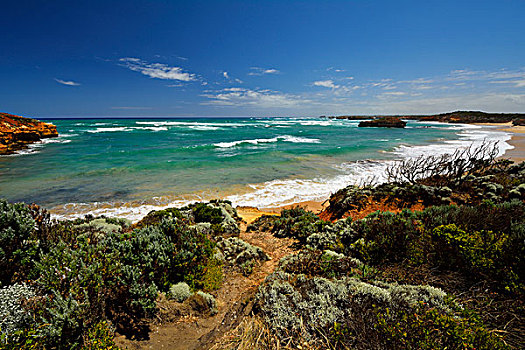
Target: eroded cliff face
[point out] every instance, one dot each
(17, 132)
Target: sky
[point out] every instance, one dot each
(260, 58)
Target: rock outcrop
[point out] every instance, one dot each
(384, 122)
(17, 132)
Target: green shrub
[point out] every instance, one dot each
(100, 337)
(384, 236)
(237, 252)
(206, 213)
(180, 292)
(430, 328)
(298, 223)
(13, 317)
(156, 216)
(17, 248)
(212, 279)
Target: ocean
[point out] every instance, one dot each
(127, 167)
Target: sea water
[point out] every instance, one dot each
(127, 167)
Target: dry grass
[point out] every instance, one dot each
(253, 334)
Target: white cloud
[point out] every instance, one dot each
(326, 83)
(262, 71)
(67, 82)
(235, 96)
(156, 70)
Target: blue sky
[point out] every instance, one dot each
(260, 58)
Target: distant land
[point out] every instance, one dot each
(466, 117)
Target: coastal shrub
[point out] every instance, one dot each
(13, 317)
(191, 252)
(430, 328)
(220, 214)
(100, 337)
(384, 236)
(286, 300)
(205, 213)
(337, 236)
(100, 225)
(213, 276)
(17, 248)
(180, 292)
(498, 217)
(298, 223)
(326, 263)
(262, 223)
(156, 216)
(237, 252)
(348, 312)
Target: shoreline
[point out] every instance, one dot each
(516, 154)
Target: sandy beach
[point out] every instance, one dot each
(249, 214)
(517, 154)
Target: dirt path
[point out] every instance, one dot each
(234, 298)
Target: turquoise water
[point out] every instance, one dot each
(129, 166)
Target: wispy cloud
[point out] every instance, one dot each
(67, 82)
(262, 71)
(263, 98)
(157, 70)
(326, 83)
(516, 83)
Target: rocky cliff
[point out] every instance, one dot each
(17, 132)
(384, 122)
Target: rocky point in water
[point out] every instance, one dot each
(384, 122)
(17, 132)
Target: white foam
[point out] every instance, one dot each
(113, 129)
(151, 128)
(203, 127)
(284, 138)
(190, 124)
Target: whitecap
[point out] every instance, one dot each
(113, 129)
(284, 138)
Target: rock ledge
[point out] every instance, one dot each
(17, 132)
